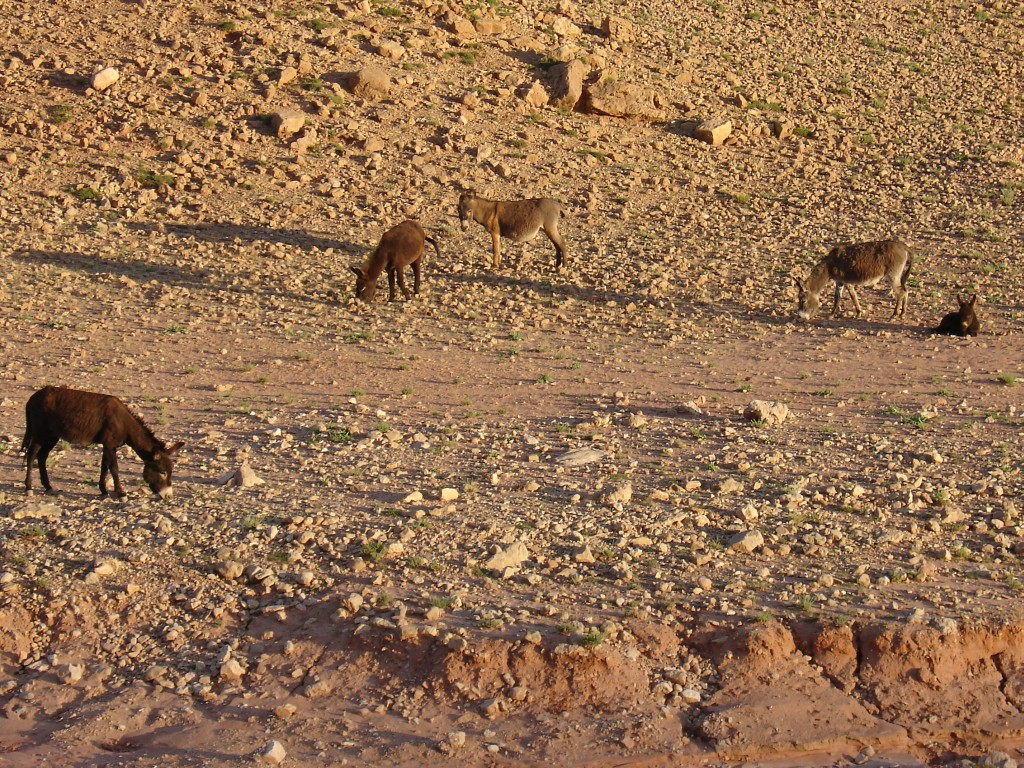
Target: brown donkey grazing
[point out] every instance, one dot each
(86, 418)
(518, 220)
(399, 247)
(856, 265)
(963, 322)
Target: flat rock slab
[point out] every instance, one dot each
(580, 456)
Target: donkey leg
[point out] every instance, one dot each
(837, 299)
(561, 255)
(496, 248)
(901, 302)
(853, 295)
(401, 283)
(110, 456)
(416, 267)
(44, 452)
(31, 455)
(104, 469)
(391, 283)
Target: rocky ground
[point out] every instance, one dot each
(525, 518)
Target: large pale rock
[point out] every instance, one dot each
(287, 122)
(616, 99)
(714, 131)
(243, 477)
(747, 541)
(274, 754)
(489, 26)
(566, 87)
(104, 78)
(580, 456)
(36, 508)
(536, 96)
(619, 495)
(768, 412)
(369, 83)
(514, 556)
(618, 29)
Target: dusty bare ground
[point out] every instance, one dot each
(425, 575)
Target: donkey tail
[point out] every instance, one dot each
(906, 268)
(433, 242)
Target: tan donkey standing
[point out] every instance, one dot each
(517, 220)
(857, 264)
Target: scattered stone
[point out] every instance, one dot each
(104, 78)
(489, 25)
(229, 569)
(714, 131)
(746, 542)
(514, 556)
(448, 494)
(287, 122)
(580, 456)
(585, 556)
(618, 29)
(369, 83)
(37, 509)
(452, 742)
(566, 84)
(70, 674)
(619, 495)
(274, 753)
(768, 412)
(231, 671)
(536, 96)
(617, 99)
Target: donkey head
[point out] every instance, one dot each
(466, 208)
(366, 288)
(807, 301)
(157, 471)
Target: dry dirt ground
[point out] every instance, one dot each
(520, 519)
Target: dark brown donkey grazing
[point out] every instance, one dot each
(86, 418)
(399, 247)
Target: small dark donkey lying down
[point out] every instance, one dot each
(963, 322)
(85, 418)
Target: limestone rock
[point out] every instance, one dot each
(618, 29)
(566, 87)
(369, 83)
(489, 26)
(389, 49)
(36, 509)
(768, 412)
(580, 456)
(714, 131)
(231, 671)
(746, 541)
(515, 555)
(616, 99)
(537, 96)
(620, 494)
(104, 78)
(287, 122)
(274, 754)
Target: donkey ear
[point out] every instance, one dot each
(359, 271)
(174, 448)
(974, 298)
